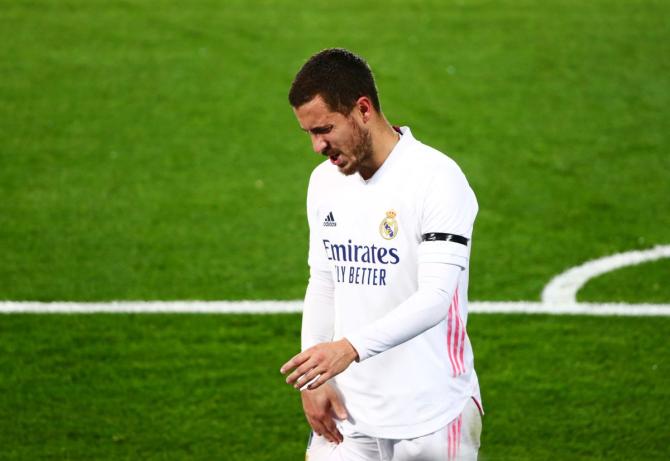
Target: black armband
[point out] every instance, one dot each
(439, 236)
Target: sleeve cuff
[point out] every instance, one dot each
(356, 340)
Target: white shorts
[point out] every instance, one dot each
(458, 441)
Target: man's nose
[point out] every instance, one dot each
(318, 143)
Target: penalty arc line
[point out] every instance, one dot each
(563, 288)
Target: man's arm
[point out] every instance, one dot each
(423, 310)
(448, 209)
(322, 405)
(427, 307)
(318, 315)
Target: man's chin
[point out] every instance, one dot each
(347, 170)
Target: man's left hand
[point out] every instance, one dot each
(322, 362)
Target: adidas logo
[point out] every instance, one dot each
(330, 220)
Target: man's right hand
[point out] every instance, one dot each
(321, 406)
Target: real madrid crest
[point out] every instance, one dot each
(388, 228)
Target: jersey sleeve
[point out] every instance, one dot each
(448, 214)
(423, 310)
(317, 255)
(318, 309)
(318, 315)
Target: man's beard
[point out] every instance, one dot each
(360, 152)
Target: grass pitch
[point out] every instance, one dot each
(147, 151)
(166, 387)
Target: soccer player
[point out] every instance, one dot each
(386, 370)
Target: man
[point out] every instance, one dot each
(386, 368)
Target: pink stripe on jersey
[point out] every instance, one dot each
(456, 342)
(450, 319)
(457, 336)
(462, 338)
(462, 350)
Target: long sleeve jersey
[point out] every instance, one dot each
(389, 264)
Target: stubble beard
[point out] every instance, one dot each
(360, 152)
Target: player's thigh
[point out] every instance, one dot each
(471, 431)
(458, 441)
(353, 448)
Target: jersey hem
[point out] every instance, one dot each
(405, 432)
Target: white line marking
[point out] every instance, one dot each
(558, 298)
(177, 307)
(523, 307)
(271, 307)
(562, 289)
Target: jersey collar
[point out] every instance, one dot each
(401, 146)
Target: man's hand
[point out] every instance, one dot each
(322, 362)
(321, 406)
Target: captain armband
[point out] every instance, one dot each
(440, 236)
(439, 247)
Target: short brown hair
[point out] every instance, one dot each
(338, 76)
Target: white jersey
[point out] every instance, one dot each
(369, 237)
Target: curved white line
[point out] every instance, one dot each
(562, 289)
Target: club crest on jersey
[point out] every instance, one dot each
(388, 228)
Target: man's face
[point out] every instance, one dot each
(342, 138)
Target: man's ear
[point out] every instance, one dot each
(365, 108)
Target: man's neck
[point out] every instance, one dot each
(384, 139)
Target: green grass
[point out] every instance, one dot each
(147, 150)
(208, 387)
(147, 387)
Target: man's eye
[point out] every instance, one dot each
(324, 130)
